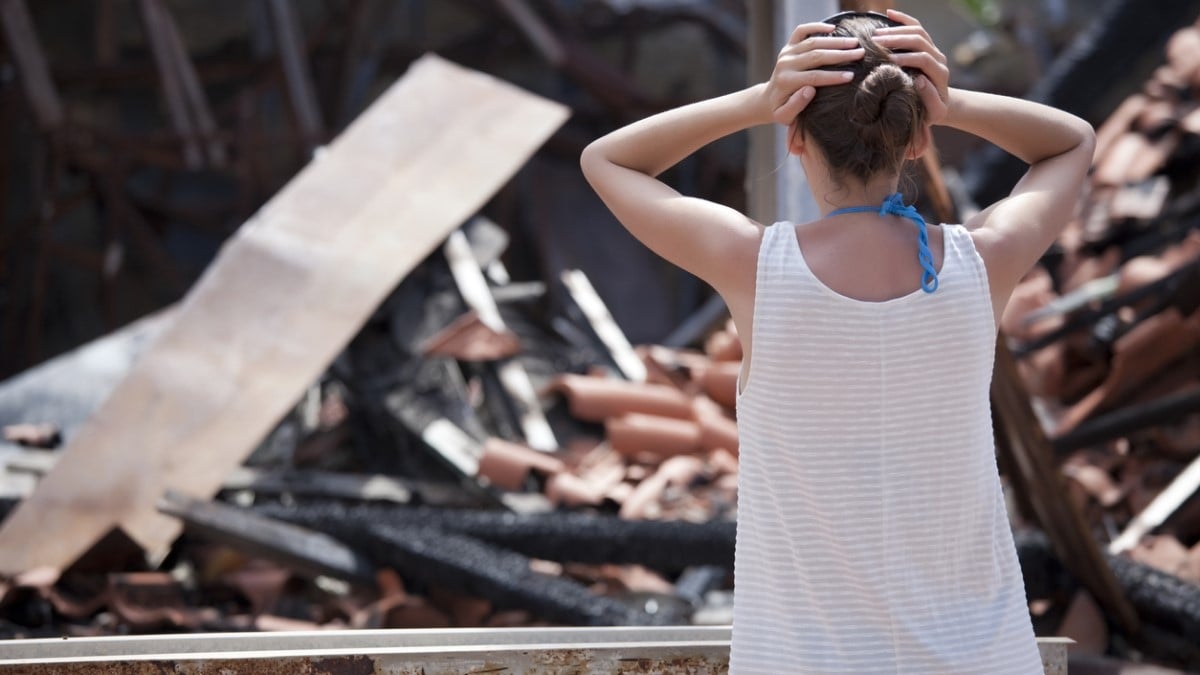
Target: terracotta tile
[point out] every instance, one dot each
(33, 435)
(640, 579)
(595, 399)
(1033, 292)
(1095, 481)
(550, 567)
(1134, 158)
(1090, 267)
(466, 611)
(619, 492)
(727, 482)
(1095, 219)
(1191, 568)
(723, 461)
(638, 472)
(1179, 440)
(510, 618)
(412, 612)
(1190, 121)
(1156, 117)
(467, 338)
(717, 430)
(1117, 124)
(1139, 271)
(658, 370)
(260, 582)
(680, 470)
(1141, 201)
(724, 345)
(389, 582)
(506, 464)
(638, 436)
(720, 383)
(270, 622)
(1183, 52)
(1137, 356)
(1084, 623)
(1167, 82)
(149, 600)
(1144, 477)
(571, 490)
(1161, 552)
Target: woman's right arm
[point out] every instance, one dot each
(1012, 234)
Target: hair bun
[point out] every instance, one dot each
(874, 102)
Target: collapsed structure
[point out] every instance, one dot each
(428, 443)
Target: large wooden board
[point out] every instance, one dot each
(284, 296)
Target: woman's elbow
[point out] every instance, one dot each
(591, 158)
(1086, 134)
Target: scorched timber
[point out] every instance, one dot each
(563, 537)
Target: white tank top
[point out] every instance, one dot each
(872, 535)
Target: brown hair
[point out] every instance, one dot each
(866, 126)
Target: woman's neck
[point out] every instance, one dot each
(831, 195)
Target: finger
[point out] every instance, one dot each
(821, 57)
(811, 43)
(805, 29)
(904, 30)
(795, 104)
(929, 94)
(792, 82)
(900, 17)
(914, 43)
(935, 70)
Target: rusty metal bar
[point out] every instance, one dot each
(669, 649)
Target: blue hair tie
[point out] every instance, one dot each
(895, 205)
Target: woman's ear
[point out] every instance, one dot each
(921, 143)
(795, 136)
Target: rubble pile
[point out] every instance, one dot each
(481, 451)
(1108, 335)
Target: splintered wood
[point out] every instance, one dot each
(283, 298)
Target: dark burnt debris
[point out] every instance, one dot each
(507, 439)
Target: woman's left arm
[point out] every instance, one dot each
(710, 240)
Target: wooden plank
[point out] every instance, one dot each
(27, 52)
(473, 286)
(602, 323)
(290, 44)
(536, 31)
(283, 298)
(154, 21)
(194, 97)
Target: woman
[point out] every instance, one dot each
(872, 534)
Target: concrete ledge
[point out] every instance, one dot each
(682, 649)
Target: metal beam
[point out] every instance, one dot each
(669, 649)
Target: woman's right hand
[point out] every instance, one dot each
(934, 83)
(797, 70)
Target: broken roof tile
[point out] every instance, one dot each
(506, 464)
(595, 399)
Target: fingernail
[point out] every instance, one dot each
(847, 75)
(807, 92)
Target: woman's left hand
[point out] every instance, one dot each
(798, 70)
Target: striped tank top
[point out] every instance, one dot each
(872, 535)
